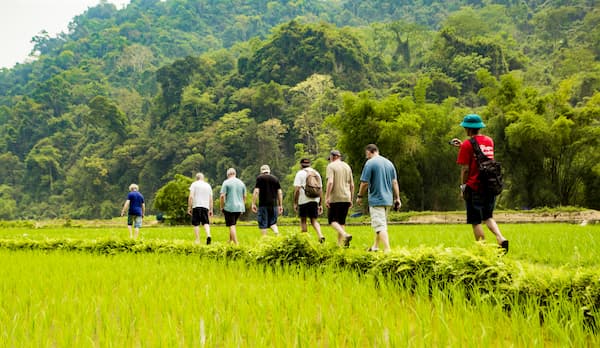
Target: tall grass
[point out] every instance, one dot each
(81, 299)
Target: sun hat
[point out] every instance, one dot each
(305, 162)
(472, 121)
(265, 169)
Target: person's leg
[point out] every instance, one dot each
(478, 232)
(197, 233)
(273, 220)
(489, 203)
(303, 226)
(341, 233)
(384, 240)
(207, 231)
(379, 224)
(493, 227)
(262, 217)
(340, 211)
(474, 203)
(130, 225)
(315, 224)
(233, 235)
(275, 229)
(137, 224)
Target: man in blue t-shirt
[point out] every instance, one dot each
(136, 208)
(379, 177)
(233, 202)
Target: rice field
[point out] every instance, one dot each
(75, 299)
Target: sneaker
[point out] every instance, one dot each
(504, 245)
(208, 240)
(322, 240)
(347, 241)
(371, 249)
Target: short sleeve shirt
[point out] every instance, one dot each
(300, 181)
(341, 174)
(201, 194)
(135, 203)
(466, 156)
(235, 195)
(379, 173)
(268, 186)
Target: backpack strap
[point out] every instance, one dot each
(478, 153)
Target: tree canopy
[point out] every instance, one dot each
(159, 90)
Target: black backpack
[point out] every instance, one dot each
(490, 171)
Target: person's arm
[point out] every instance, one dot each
(222, 201)
(280, 200)
(396, 187)
(143, 209)
(255, 199)
(328, 191)
(190, 201)
(296, 197)
(351, 190)
(125, 207)
(210, 205)
(362, 189)
(464, 175)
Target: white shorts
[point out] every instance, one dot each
(379, 218)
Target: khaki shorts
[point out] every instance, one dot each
(379, 218)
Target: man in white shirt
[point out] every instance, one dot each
(308, 207)
(200, 206)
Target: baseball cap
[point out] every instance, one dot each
(265, 169)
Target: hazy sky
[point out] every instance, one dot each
(20, 20)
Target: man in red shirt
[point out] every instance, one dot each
(480, 204)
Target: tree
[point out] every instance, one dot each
(171, 199)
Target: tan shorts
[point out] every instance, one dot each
(379, 218)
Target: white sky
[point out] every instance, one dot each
(20, 20)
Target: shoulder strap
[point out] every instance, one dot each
(478, 153)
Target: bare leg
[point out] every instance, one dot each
(493, 226)
(130, 228)
(383, 237)
(263, 231)
(197, 233)
(275, 229)
(315, 224)
(137, 232)
(233, 235)
(303, 226)
(478, 232)
(207, 231)
(341, 232)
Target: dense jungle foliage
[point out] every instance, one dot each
(161, 88)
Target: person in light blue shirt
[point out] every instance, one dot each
(379, 178)
(233, 202)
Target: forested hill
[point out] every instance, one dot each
(162, 88)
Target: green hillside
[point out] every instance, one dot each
(161, 88)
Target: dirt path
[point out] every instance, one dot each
(579, 217)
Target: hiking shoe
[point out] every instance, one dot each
(347, 241)
(208, 240)
(504, 246)
(322, 240)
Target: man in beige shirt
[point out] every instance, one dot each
(338, 196)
